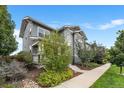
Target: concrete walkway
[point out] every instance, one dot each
(86, 79)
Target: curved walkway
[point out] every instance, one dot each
(86, 79)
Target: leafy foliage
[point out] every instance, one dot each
(99, 55)
(8, 86)
(52, 78)
(8, 43)
(55, 52)
(95, 54)
(120, 40)
(119, 59)
(24, 57)
(90, 65)
(107, 56)
(86, 55)
(117, 51)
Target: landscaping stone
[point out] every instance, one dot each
(28, 83)
(76, 69)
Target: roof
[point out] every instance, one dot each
(83, 34)
(27, 19)
(73, 28)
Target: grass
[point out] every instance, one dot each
(111, 79)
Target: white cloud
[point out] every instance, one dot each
(88, 25)
(112, 24)
(19, 40)
(118, 22)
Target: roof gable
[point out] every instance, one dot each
(28, 19)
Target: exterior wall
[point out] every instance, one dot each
(32, 31)
(78, 40)
(68, 37)
(26, 39)
(79, 43)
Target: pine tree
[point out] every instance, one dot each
(8, 43)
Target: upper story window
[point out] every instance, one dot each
(41, 32)
(30, 30)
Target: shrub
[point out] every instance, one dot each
(86, 55)
(106, 57)
(8, 86)
(67, 74)
(99, 56)
(24, 57)
(90, 65)
(55, 53)
(52, 78)
(49, 79)
(2, 81)
(6, 58)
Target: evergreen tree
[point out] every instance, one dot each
(8, 43)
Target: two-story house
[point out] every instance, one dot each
(32, 31)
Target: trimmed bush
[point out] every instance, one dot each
(52, 78)
(24, 57)
(67, 74)
(90, 65)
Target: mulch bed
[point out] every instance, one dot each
(86, 68)
(32, 74)
(83, 68)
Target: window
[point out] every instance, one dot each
(41, 32)
(26, 38)
(30, 31)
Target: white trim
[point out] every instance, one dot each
(39, 28)
(34, 37)
(35, 43)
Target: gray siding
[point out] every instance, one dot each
(79, 40)
(31, 31)
(68, 37)
(26, 39)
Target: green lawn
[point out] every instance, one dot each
(111, 79)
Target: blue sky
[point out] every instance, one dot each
(100, 23)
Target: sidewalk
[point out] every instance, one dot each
(86, 79)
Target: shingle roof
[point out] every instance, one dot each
(27, 19)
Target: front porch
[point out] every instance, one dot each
(35, 50)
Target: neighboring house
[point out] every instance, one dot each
(88, 46)
(32, 31)
(75, 38)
